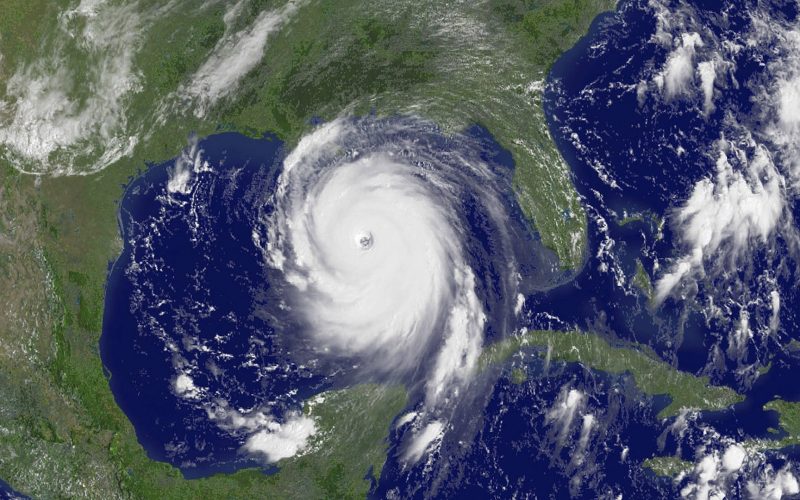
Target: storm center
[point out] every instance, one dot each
(364, 240)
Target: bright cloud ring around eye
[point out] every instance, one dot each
(372, 249)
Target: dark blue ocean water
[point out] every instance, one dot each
(196, 280)
(8, 493)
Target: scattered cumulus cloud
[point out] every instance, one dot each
(714, 473)
(61, 121)
(185, 388)
(725, 468)
(782, 93)
(588, 423)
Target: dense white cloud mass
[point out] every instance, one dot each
(376, 260)
(235, 55)
(44, 115)
(371, 251)
(369, 234)
(265, 436)
(727, 212)
(706, 474)
(708, 73)
(713, 473)
(569, 404)
(678, 71)
(278, 441)
(424, 440)
(773, 485)
(775, 302)
(789, 102)
(733, 458)
(185, 388)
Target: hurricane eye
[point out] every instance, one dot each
(365, 240)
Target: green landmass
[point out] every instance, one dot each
(402, 61)
(647, 217)
(789, 420)
(668, 466)
(65, 437)
(653, 222)
(652, 375)
(793, 345)
(630, 219)
(789, 415)
(642, 280)
(349, 56)
(518, 376)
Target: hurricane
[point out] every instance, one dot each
(372, 241)
(376, 249)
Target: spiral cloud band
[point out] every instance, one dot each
(378, 250)
(370, 238)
